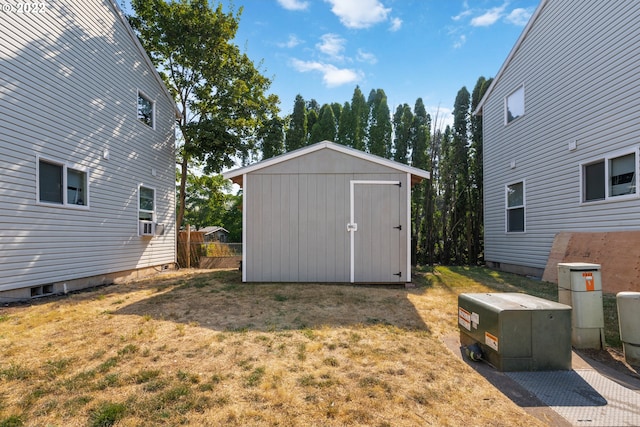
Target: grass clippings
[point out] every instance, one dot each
(202, 348)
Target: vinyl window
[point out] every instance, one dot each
(613, 177)
(60, 184)
(146, 110)
(514, 105)
(146, 203)
(515, 207)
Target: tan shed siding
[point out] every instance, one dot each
(579, 67)
(68, 90)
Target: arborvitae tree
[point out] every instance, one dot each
(402, 121)
(460, 216)
(476, 173)
(296, 136)
(325, 128)
(379, 135)
(337, 112)
(272, 138)
(312, 119)
(419, 134)
(345, 126)
(359, 117)
(446, 186)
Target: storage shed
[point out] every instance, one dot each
(327, 213)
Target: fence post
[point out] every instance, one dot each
(188, 246)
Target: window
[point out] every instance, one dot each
(146, 109)
(610, 177)
(147, 203)
(515, 207)
(514, 105)
(54, 177)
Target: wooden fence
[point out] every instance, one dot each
(194, 252)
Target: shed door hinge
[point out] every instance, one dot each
(399, 274)
(398, 227)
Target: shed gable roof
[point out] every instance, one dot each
(512, 53)
(417, 175)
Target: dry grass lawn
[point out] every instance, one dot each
(201, 348)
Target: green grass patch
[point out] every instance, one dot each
(107, 414)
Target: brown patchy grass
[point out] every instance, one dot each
(201, 348)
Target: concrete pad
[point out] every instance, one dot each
(591, 394)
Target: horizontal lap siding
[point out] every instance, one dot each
(579, 64)
(68, 91)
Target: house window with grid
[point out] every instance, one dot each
(613, 177)
(515, 210)
(63, 185)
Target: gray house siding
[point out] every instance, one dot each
(296, 213)
(69, 82)
(578, 62)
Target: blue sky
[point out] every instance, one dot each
(322, 49)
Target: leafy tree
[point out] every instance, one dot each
(271, 137)
(297, 133)
(220, 93)
(206, 201)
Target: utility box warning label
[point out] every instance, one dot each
(588, 281)
(464, 318)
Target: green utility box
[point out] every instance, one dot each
(517, 332)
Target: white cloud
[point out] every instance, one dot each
(367, 57)
(359, 13)
(396, 24)
(460, 42)
(465, 12)
(488, 18)
(292, 42)
(332, 45)
(519, 16)
(294, 4)
(331, 75)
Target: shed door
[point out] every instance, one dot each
(375, 232)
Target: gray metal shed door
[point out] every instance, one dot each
(375, 232)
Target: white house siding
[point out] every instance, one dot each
(69, 80)
(296, 219)
(580, 66)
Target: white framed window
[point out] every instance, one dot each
(514, 105)
(60, 184)
(146, 203)
(515, 218)
(146, 110)
(613, 177)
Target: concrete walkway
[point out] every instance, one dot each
(591, 394)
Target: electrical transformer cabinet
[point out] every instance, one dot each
(517, 332)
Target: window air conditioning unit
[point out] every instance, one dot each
(146, 228)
